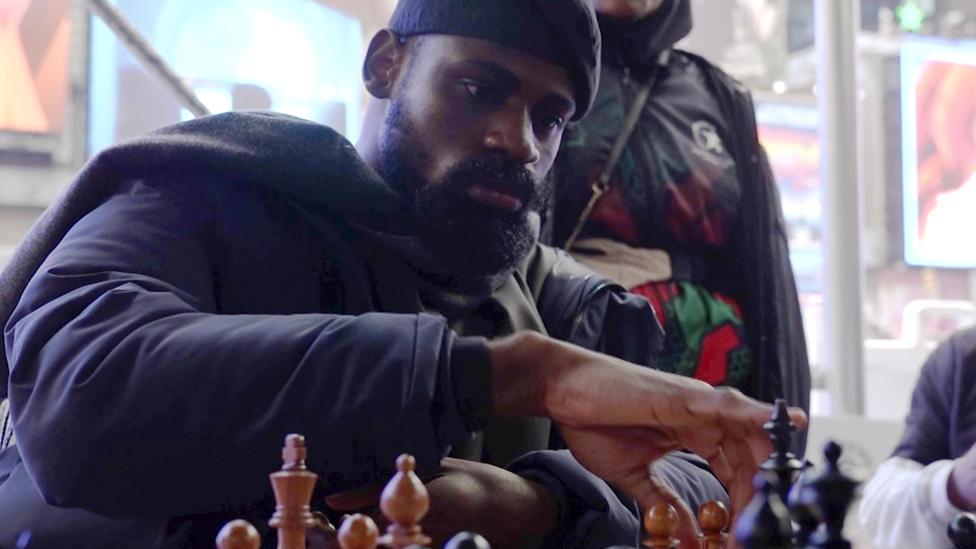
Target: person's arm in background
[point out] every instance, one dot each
(913, 496)
(906, 504)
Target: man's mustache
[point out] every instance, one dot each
(497, 172)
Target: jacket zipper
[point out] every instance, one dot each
(583, 305)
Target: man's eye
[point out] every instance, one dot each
(481, 93)
(473, 89)
(551, 123)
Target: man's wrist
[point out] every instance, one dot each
(521, 365)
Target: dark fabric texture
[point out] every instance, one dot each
(629, 44)
(737, 232)
(201, 292)
(592, 514)
(60, 527)
(597, 304)
(564, 32)
(302, 166)
(941, 423)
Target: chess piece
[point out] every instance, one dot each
(404, 503)
(962, 531)
(832, 493)
(293, 486)
(467, 540)
(358, 532)
(238, 534)
(806, 515)
(661, 522)
(765, 521)
(713, 517)
(781, 462)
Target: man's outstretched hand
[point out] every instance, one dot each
(618, 418)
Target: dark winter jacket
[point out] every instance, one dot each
(942, 421)
(202, 291)
(754, 266)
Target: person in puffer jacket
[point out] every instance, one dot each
(688, 214)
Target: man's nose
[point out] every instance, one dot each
(511, 132)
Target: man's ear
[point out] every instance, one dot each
(384, 59)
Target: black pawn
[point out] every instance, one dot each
(467, 540)
(765, 521)
(806, 515)
(832, 493)
(781, 462)
(962, 531)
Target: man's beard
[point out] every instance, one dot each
(468, 237)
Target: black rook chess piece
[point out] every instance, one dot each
(765, 521)
(962, 531)
(831, 492)
(781, 462)
(467, 540)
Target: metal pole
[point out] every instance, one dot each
(145, 53)
(837, 24)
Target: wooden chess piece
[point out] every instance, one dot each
(404, 503)
(962, 531)
(765, 521)
(293, 486)
(238, 534)
(781, 462)
(832, 493)
(358, 532)
(467, 540)
(661, 523)
(713, 517)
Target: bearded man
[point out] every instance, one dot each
(202, 291)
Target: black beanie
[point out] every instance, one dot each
(564, 32)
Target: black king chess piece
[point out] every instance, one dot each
(962, 531)
(765, 522)
(831, 493)
(781, 463)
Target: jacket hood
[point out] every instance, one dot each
(637, 44)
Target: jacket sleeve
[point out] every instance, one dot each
(594, 515)
(926, 437)
(906, 504)
(584, 308)
(794, 362)
(132, 397)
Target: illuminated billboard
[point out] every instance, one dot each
(939, 152)
(34, 45)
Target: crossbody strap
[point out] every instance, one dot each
(602, 183)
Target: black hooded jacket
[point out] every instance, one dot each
(752, 263)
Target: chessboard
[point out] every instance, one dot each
(793, 508)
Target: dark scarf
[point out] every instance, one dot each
(638, 44)
(308, 161)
